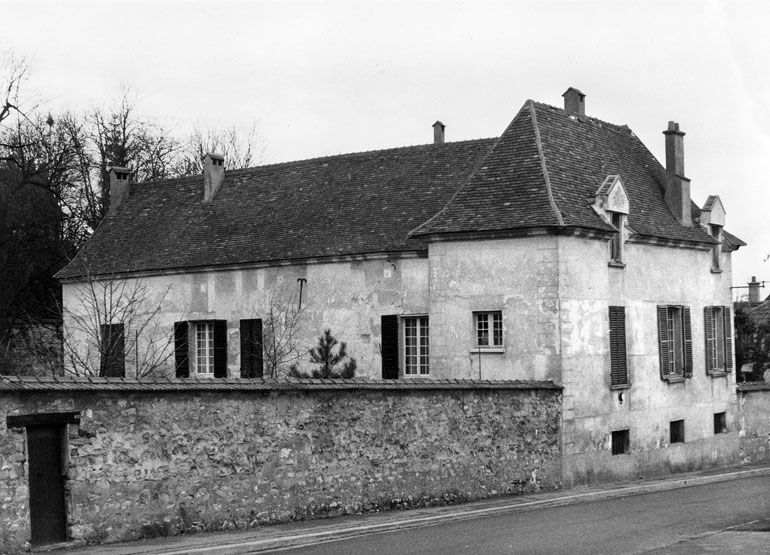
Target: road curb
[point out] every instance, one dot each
(344, 532)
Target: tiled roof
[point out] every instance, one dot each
(547, 154)
(543, 172)
(333, 206)
(72, 383)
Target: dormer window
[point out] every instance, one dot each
(611, 203)
(616, 245)
(716, 251)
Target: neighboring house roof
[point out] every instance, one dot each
(542, 172)
(333, 206)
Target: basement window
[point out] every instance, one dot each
(720, 423)
(621, 442)
(676, 431)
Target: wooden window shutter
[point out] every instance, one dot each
(663, 341)
(708, 321)
(251, 348)
(687, 334)
(113, 351)
(618, 359)
(181, 354)
(389, 349)
(220, 348)
(728, 338)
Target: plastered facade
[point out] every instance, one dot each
(553, 292)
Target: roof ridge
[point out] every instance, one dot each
(622, 129)
(539, 144)
(240, 171)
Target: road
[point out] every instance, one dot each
(688, 520)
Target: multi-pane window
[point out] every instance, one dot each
(204, 348)
(719, 341)
(616, 245)
(416, 346)
(674, 341)
(618, 365)
(489, 328)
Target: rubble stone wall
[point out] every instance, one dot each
(219, 456)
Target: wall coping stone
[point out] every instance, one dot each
(753, 386)
(155, 385)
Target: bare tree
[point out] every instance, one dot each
(281, 329)
(240, 146)
(109, 317)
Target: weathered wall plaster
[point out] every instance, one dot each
(754, 421)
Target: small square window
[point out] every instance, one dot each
(621, 442)
(720, 423)
(676, 431)
(489, 329)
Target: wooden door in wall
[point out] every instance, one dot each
(46, 484)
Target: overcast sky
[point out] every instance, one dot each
(324, 78)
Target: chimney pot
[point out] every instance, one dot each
(574, 102)
(438, 132)
(213, 174)
(120, 186)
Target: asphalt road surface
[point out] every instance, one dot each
(713, 518)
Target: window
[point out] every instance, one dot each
(489, 329)
(416, 345)
(204, 348)
(616, 245)
(203, 345)
(720, 423)
(621, 441)
(113, 356)
(676, 431)
(719, 340)
(674, 342)
(251, 348)
(716, 251)
(618, 364)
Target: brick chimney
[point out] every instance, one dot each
(213, 175)
(678, 186)
(438, 133)
(574, 102)
(754, 290)
(120, 186)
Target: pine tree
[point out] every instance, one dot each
(333, 363)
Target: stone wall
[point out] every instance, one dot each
(161, 458)
(754, 422)
(33, 349)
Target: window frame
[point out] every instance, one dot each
(715, 231)
(208, 351)
(675, 342)
(493, 321)
(717, 328)
(676, 432)
(421, 366)
(621, 441)
(617, 243)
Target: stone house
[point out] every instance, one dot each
(561, 250)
